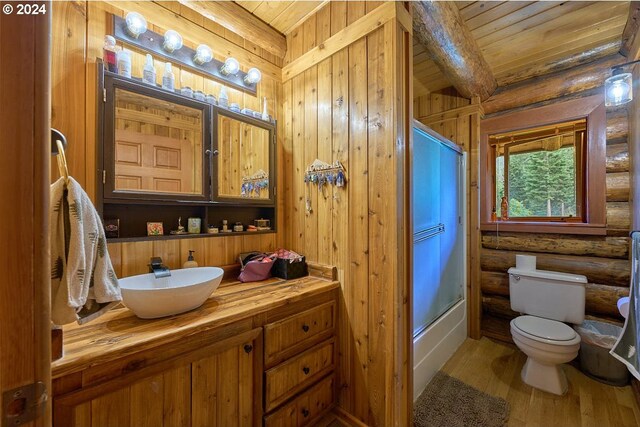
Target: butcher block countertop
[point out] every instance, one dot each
(119, 332)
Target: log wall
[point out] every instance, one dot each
(352, 105)
(603, 259)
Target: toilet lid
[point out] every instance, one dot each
(545, 328)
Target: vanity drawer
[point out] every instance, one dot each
(298, 373)
(305, 408)
(295, 333)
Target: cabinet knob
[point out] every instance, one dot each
(306, 370)
(248, 348)
(305, 412)
(209, 152)
(305, 328)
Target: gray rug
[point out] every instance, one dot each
(448, 402)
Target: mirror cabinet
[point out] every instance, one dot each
(163, 156)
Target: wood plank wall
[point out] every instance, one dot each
(458, 119)
(603, 259)
(343, 108)
(78, 33)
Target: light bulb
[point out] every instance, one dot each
(172, 41)
(136, 24)
(253, 76)
(204, 54)
(231, 67)
(618, 89)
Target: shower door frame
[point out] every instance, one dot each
(450, 328)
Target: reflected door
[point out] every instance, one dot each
(157, 164)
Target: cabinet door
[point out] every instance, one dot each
(219, 385)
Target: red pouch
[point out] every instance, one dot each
(257, 268)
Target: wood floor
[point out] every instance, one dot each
(494, 368)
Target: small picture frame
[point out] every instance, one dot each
(112, 228)
(155, 229)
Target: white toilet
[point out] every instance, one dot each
(546, 299)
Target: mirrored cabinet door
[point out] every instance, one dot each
(155, 146)
(244, 159)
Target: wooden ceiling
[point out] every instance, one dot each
(517, 38)
(282, 15)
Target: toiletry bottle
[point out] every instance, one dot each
(190, 262)
(265, 114)
(504, 209)
(109, 54)
(168, 79)
(223, 99)
(124, 63)
(149, 72)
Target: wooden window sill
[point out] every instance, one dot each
(546, 227)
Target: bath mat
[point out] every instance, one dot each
(448, 402)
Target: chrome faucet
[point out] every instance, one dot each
(157, 268)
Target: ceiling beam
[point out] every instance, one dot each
(438, 26)
(630, 38)
(235, 18)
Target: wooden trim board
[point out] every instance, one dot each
(363, 26)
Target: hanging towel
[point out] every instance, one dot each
(83, 283)
(626, 348)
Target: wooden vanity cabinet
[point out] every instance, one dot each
(272, 367)
(215, 385)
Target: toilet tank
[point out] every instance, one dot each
(548, 294)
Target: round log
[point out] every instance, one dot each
(551, 86)
(618, 187)
(498, 306)
(556, 65)
(618, 157)
(597, 246)
(439, 27)
(609, 271)
(617, 126)
(618, 217)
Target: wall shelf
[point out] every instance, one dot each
(186, 236)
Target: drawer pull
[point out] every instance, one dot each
(305, 412)
(306, 370)
(305, 328)
(248, 348)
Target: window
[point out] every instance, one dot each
(539, 172)
(549, 163)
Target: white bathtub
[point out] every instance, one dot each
(436, 344)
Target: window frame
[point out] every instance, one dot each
(593, 220)
(581, 156)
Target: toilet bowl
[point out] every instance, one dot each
(548, 344)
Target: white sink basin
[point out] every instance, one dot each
(184, 290)
(623, 306)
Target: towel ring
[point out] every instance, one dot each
(58, 142)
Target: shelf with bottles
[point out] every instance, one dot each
(132, 220)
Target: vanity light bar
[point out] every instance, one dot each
(152, 42)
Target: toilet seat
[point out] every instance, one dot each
(545, 330)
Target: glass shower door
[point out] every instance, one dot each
(438, 264)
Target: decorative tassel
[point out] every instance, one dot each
(340, 179)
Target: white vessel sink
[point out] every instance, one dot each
(623, 306)
(184, 290)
